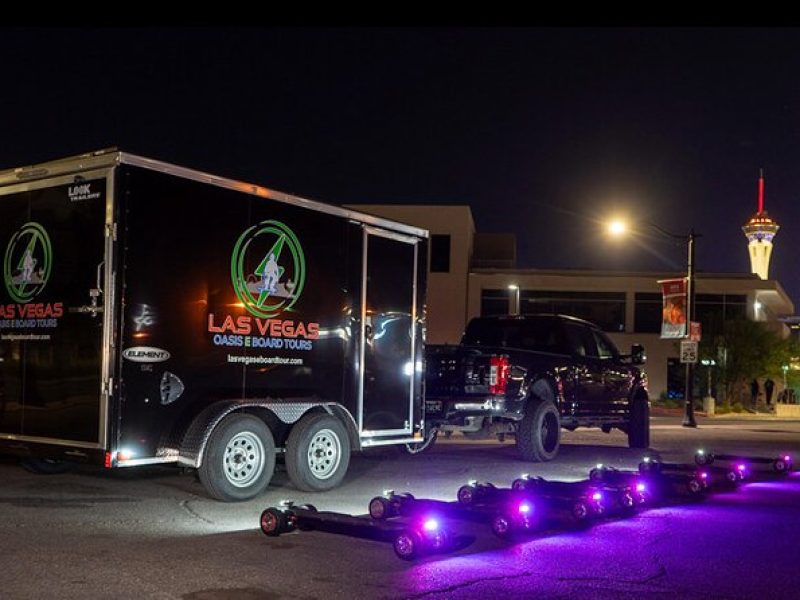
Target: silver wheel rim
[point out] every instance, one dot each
(324, 453)
(244, 459)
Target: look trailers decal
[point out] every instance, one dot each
(27, 265)
(268, 274)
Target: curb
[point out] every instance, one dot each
(678, 412)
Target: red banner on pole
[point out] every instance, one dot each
(673, 320)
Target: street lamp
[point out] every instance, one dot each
(618, 228)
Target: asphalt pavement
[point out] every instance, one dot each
(152, 532)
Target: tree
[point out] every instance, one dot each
(747, 350)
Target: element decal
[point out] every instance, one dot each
(145, 354)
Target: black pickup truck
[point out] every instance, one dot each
(529, 376)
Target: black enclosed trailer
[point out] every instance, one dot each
(156, 314)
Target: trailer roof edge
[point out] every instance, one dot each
(111, 157)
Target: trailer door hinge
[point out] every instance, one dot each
(111, 231)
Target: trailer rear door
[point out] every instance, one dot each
(53, 244)
(388, 334)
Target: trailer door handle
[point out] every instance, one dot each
(99, 281)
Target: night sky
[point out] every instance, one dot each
(543, 132)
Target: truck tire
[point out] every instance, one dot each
(239, 459)
(639, 426)
(317, 452)
(539, 431)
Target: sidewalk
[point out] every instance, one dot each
(660, 411)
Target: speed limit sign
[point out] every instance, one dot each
(688, 352)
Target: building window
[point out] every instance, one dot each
(494, 302)
(604, 309)
(440, 253)
(647, 313)
(712, 310)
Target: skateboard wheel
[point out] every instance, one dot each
(703, 459)
(466, 494)
(694, 486)
(596, 474)
(273, 522)
(501, 526)
(407, 545)
(380, 508)
(627, 501)
(581, 512)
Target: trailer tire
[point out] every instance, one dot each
(239, 459)
(539, 431)
(317, 452)
(45, 466)
(639, 425)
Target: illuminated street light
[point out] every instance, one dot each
(617, 228)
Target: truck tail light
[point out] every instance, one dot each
(499, 370)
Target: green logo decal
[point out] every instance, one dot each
(268, 269)
(27, 263)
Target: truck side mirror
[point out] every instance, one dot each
(638, 356)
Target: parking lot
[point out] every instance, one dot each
(153, 533)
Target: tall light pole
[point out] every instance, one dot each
(618, 228)
(514, 288)
(688, 411)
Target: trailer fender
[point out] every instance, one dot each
(194, 441)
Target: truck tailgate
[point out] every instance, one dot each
(455, 371)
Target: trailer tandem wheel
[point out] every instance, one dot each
(239, 459)
(317, 452)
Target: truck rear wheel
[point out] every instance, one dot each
(239, 459)
(539, 432)
(639, 426)
(317, 452)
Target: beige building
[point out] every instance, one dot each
(473, 274)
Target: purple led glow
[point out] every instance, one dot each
(640, 487)
(597, 496)
(741, 467)
(430, 525)
(525, 508)
(703, 475)
(787, 458)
